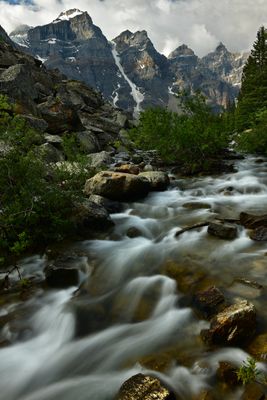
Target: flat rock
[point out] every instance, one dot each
(223, 230)
(196, 205)
(142, 387)
(234, 325)
(117, 186)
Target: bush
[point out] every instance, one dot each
(35, 201)
(191, 138)
(254, 140)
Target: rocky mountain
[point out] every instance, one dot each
(129, 71)
(55, 105)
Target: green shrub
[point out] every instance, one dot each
(191, 138)
(254, 140)
(35, 202)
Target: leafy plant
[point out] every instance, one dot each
(249, 372)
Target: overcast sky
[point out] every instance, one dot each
(201, 24)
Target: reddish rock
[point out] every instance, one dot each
(227, 373)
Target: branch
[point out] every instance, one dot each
(189, 228)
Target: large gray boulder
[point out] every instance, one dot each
(117, 186)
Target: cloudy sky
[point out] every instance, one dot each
(201, 24)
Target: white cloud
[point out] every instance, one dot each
(201, 24)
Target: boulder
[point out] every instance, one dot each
(50, 154)
(89, 216)
(61, 277)
(259, 234)
(98, 160)
(109, 205)
(234, 325)
(39, 124)
(143, 387)
(88, 141)
(209, 302)
(128, 169)
(158, 180)
(55, 140)
(223, 230)
(250, 221)
(117, 186)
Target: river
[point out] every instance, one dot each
(128, 316)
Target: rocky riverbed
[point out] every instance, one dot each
(166, 304)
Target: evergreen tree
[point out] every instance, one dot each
(253, 94)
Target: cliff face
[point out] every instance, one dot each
(129, 71)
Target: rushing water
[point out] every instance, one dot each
(127, 316)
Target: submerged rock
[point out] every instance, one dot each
(234, 325)
(227, 373)
(117, 186)
(142, 387)
(209, 302)
(254, 391)
(158, 180)
(223, 230)
(133, 232)
(258, 347)
(196, 205)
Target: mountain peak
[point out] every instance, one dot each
(221, 48)
(182, 50)
(69, 14)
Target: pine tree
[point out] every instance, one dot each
(253, 94)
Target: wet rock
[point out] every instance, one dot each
(234, 325)
(142, 387)
(250, 221)
(227, 373)
(196, 205)
(133, 232)
(117, 186)
(223, 230)
(209, 302)
(98, 160)
(89, 216)
(61, 277)
(205, 395)
(128, 169)
(259, 234)
(158, 180)
(258, 347)
(110, 205)
(254, 391)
